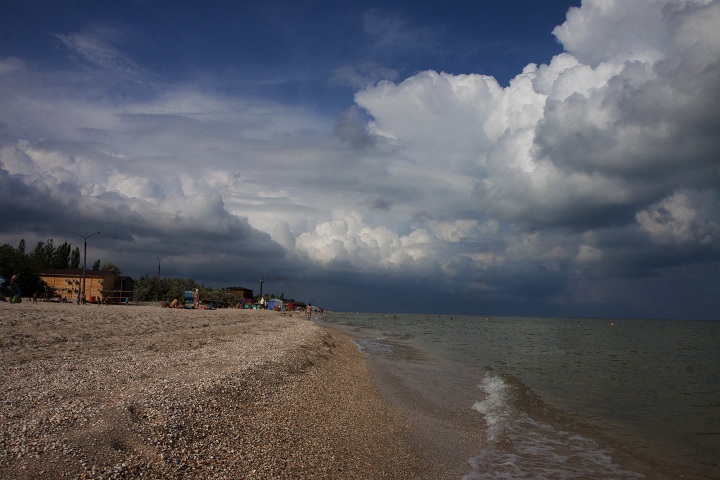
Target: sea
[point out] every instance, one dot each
(552, 398)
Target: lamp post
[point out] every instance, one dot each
(85, 237)
(262, 280)
(157, 283)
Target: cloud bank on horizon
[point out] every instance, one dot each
(587, 185)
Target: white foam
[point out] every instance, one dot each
(495, 406)
(518, 446)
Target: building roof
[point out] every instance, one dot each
(76, 272)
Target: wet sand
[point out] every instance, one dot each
(102, 391)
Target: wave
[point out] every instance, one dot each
(526, 438)
(389, 348)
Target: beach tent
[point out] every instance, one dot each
(189, 300)
(276, 302)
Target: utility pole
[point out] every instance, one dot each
(157, 282)
(85, 237)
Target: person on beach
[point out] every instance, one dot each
(15, 288)
(308, 311)
(196, 298)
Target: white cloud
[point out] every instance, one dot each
(615, 31)
(434, 114)
(350, 240)
(95, 46)
(133, 186)
(682, 219)
(14, 158)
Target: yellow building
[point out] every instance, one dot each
(100, 285)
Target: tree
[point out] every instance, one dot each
(61, 256)
(9, 261)
(43, 254)
(46, 255)
(75, 258)
(96, 265)
(168, 289)
(14, 261)
(144, 288)
(111, 267)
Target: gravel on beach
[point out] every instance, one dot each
(113, 392)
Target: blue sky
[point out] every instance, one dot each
(494, 158)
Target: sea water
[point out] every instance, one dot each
(560, 398)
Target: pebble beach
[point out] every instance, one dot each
(99, 391)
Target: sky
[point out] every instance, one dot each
(555, 158)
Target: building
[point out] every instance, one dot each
(100, 285)
(241, 292)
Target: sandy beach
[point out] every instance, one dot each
(145, 392)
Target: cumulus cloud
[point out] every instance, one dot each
(608, 31)
(596, 167)
(683, 219)
(349, 240)
(607, 134)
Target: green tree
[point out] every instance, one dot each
(111, 267)
(96, 265)
(75, 258)
(171, 288)
(43, 254)
(167, 289)
(46, 255)
(9, 261)
(61, 256)
(15, 261)
(144, 288)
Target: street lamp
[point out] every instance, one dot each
(157, 283)
(85, 237)
(262, 280)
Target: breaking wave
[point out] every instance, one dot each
(527, 439)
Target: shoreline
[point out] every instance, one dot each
(124, 391)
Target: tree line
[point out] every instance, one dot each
(46, 255)
(168, 289)
(14, 260)
(150, 288)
